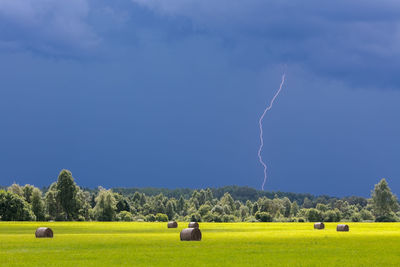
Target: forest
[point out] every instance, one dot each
(64, 200)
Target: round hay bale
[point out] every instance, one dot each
(193, 225)
(172, 224)
(319, 225)
(191, 234)
(44, 232)
(342, 228)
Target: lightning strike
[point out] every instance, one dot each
(261, 130)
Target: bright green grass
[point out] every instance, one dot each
(223, 244)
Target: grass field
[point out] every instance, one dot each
(223, 244)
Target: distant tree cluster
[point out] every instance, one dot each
(65, 201)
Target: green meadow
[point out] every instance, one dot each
(223, 244)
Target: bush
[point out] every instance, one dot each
(204, 209)
(391, 217)
(228, 218)
(195, 217)
(161, 217)
(139, 218)
(125, 216)
(81, 218)
(208, 217)
(263, 216)
(332, 216)
(251, 219)
(14, 208)
(150, 218)
(356, 217)
(366, 215)
(314, 215)
(216, 217)
(301, 220)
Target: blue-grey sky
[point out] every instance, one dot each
(167, 93)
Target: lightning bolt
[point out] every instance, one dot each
(261, 129)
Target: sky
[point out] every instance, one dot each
(168, 93)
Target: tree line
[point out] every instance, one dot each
(64, 200)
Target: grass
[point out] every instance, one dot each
(223, 244)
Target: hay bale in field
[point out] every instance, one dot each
(342, 228)
(193, 225)
(191, 234)
(172, 224)
(319, 225)
(44, 232)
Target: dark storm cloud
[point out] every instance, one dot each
(46, 26)
(355, 41)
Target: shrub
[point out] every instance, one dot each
(216, 217)
(314, 215)
(391, 217)
(150, 218)
(139, 218)
(228, 218)
(161, 217)
(263, 216)
(208, 217)
(125, 216)
(204, 209)
(366, 215)
(195, 217)
(251, 219)
(332, 216)
(14, 208)
(322, 207)
(81, 218)
(217, 209)
(356, 217)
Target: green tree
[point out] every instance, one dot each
(286, 206)
(366, 215)
(322, 207)
(169, 210)
(209, 195)
(263, 216)
(255, 208)
(307, 204)
(204, 209)
(53, 208)
(105, 205)
(227, 200)
(122, 203)
(37, 203)
(244, 212)
(16, 189)
(27, 192)
(384, 202)
(180, 205)
(294, 208)
(14, 208)
(314, 215)
(150, 218)
(161, 217)
(332, 216)
(125, 216)
(344, 207)
(356, 217)
(66, 194)
(195, 217)
(83, 199)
